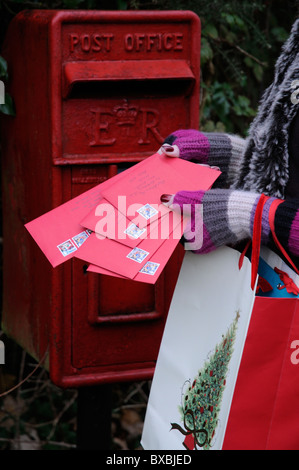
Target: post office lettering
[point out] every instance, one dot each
(91, 42)
(132, 42)
(148, 42)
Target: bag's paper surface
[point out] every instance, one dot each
(200, 353)
(265, 403)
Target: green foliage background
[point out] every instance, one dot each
(240, 43)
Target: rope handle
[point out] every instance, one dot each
(272, 213)
(257, 234)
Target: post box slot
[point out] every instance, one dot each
(109, 72)
(125, 166)
(139, 88)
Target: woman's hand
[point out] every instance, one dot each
(167, 199)
(174, 151)
(170, 150)
(188, 144)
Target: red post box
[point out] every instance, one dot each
(95, 92)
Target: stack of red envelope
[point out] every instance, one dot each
(120, 226)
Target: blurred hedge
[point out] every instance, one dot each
(240, 42)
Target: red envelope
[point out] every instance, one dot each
(105, 220)
(59, 233)
(151, 270)
(54, 231)
(124, 260)
(161, 175)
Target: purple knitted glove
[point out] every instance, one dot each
(220, 150)
(192, 145)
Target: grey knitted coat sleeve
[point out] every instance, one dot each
(261, 162)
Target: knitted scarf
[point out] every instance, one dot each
(265, 166)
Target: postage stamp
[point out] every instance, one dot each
(67, 247)
(147, 211)
(137, 254)
(150, 268)
(134, 231)
(80, 238)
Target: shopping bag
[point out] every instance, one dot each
(243, 397)
(200, 353)
(264, 414)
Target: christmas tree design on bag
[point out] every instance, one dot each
(201, 403)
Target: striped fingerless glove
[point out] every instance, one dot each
(228, 216)
(222, 150)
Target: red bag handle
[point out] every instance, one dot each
(272, 213)
(257, 234)
(256, 238)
